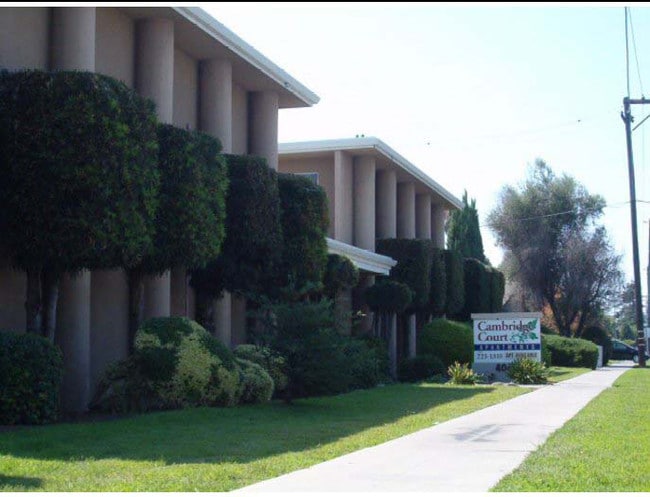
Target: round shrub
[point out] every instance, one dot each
(599, 336)
(388, 296)
(31, 369)
(419, 368)
(257, 385)
(272, 362)
(449, 340)
(571, 352)
(365, 363)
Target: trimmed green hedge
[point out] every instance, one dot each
(449, 340)
(388, 296)
(599, 336)
(571, 352)
(340, 274)
(455, 282)
(31, 371)
(273, 364)
(420, 368)
(305, 219)
(497, 289)
(438, 291)
(413, 268)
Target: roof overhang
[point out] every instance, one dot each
(362, 259)
(203, 37)
(375, 146)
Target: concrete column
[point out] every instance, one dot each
(438, 219)
(215, 110)
(73, 336)
(157, 296)
(223, 319)
(178, 294)
(154, 79)
(73, 48)
(154, 68)
(73, 39)
(343, 198)
(364, 203)
(412, 335)
(405, 210)
(423, 216)
(386, 204)
(263, 129)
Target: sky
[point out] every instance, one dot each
(472, 94)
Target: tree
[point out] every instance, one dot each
(556, 250)
(463, 233)
(78, 179)
(624, 314)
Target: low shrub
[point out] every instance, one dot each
(462, 374)
(257, 384)
(176, 363)
(419, 368)
(274, 364)
(31, 370)
(599, 336)
(571, 352)
(526, 371)
(451, 341)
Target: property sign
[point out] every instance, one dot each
(500, 339)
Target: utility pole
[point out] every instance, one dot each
(626, 115)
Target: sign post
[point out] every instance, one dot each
(500, 339)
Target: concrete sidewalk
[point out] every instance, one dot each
(467, 454)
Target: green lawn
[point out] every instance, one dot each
(559, 373)
(222, 449)
(605, 448)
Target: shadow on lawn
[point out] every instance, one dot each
(235, 435)
(19, 481)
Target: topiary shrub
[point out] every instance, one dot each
(340, 274)
(571, 352)
(388, 296)
(599, 336)
(526, 371)
(419, 368)
(455, 273)
(274, 364)
(477, 289)
(449, 340)
(31, 370)
(257, 384)
(176, 363)
(497, 284)
(438, 290)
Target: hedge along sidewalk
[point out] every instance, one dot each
(467, 454)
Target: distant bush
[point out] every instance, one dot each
(449, 340)
(571, 352)
(31, 370)
(274, 364)
(599, 336)
(257, 385)
(420, 368)
(526, 371)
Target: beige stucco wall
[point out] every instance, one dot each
(109, 320)
(324, 166)
(115, 45)
(24, 37)
(13, 285)
(186, 95)
(239, 120)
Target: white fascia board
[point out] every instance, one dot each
(349, 144)
(363, 259)
(223, 35)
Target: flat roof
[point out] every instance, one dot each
(363, 259)
(370, 144)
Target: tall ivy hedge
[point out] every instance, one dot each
(305, 219)
(438, 292)
(455, 282)
(497, 289)
(413, 268)
(190, 221)
(251, 254)
(484, 289)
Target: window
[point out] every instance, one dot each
(312, 176)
